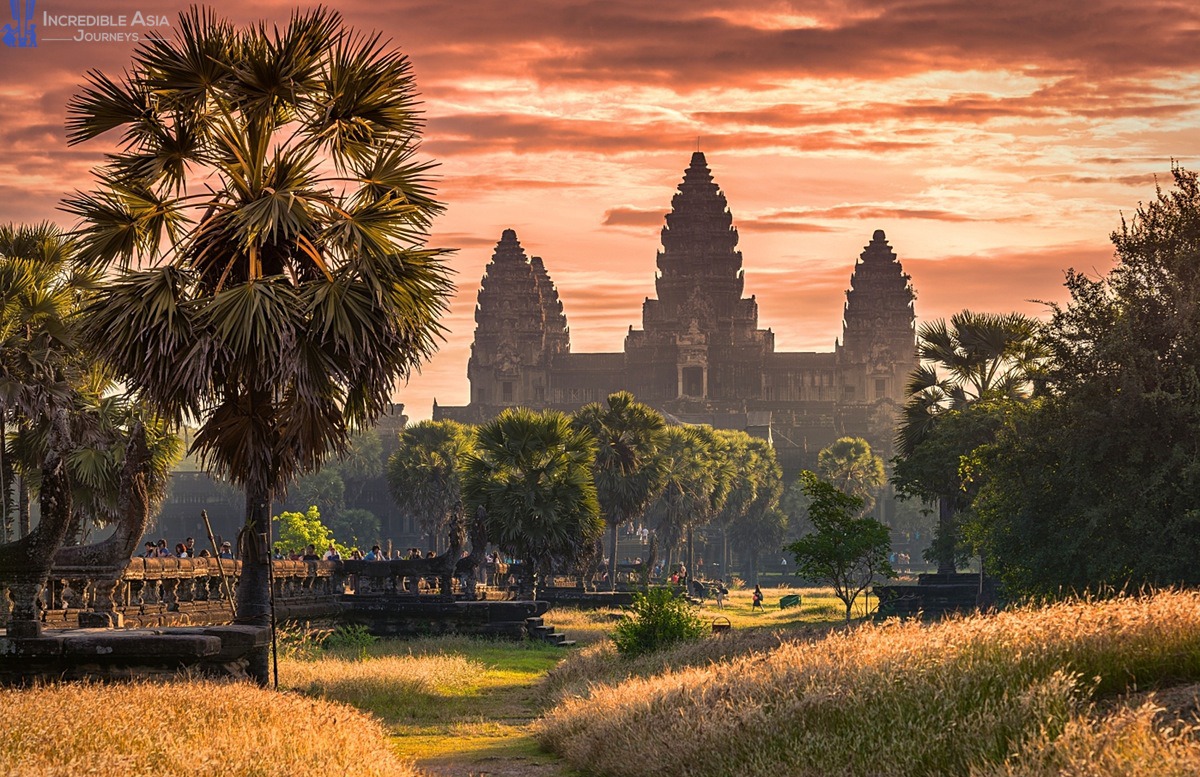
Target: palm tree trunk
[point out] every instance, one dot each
(691, 571)
(946, 537)
(725, 554)
(612, 556)
(23, 506)
(254, 585)
(5, 483)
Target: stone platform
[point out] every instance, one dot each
(935, 596)
(394, 616)
(123, 654)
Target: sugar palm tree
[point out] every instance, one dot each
(688, 485)
(531, 474)
(266, 218)
(629, 471)
(977, 357)
(40, 362)
(424, 474)
(850, 465)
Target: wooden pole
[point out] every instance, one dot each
(220, 567)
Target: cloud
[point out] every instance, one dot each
(871, 211)
(629, 216)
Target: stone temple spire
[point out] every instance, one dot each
(699, 247)
(879, 298)
(520, 327)
(878, 349)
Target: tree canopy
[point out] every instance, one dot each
(1095, 485)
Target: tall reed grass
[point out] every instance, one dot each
(885, 699)
(183, 729)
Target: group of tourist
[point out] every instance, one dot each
(185, 549)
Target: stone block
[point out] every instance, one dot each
(148, 646)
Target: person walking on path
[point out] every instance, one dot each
(757, 604)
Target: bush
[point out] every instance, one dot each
(350, 638)
(660, 619)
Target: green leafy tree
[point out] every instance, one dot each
(425, 474)
(629, 471)
(659, 619)
(1095, 485)
(265, 219)
(847, 551)
(852, 467)
(295, 531)
(355, 527)
(531, 473)
(977, 357)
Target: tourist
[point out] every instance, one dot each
(204, 554)
(757, 604)
(190, 544)
(310, 554)
(181, 550)
(162, 550)
(278, 556)
(332, 554)
(226, 550)
(375, 554)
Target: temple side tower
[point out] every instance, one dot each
(878, 348)
(700, 339)
(520, 328)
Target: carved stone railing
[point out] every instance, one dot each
(165, 591)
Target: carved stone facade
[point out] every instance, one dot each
(700, 356)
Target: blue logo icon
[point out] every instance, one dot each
(25, 35)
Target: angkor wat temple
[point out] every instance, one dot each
(700, 356)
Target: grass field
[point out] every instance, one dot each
(987, 694)
(1035, 693)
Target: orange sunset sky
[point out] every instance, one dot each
(997, 143)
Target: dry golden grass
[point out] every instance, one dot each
(883, 699)
(584, 626)
(1128, 743)
(598, 665)
(392, 679)
(187, 728)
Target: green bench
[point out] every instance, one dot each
(791, 600)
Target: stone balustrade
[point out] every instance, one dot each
(171, 591)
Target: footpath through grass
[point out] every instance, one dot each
(457, 706)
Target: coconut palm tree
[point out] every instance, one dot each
(977, 357)
(424, 474)
(266, 219)
(629, 471)
(531, 474)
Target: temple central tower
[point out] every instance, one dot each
(700, 339)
